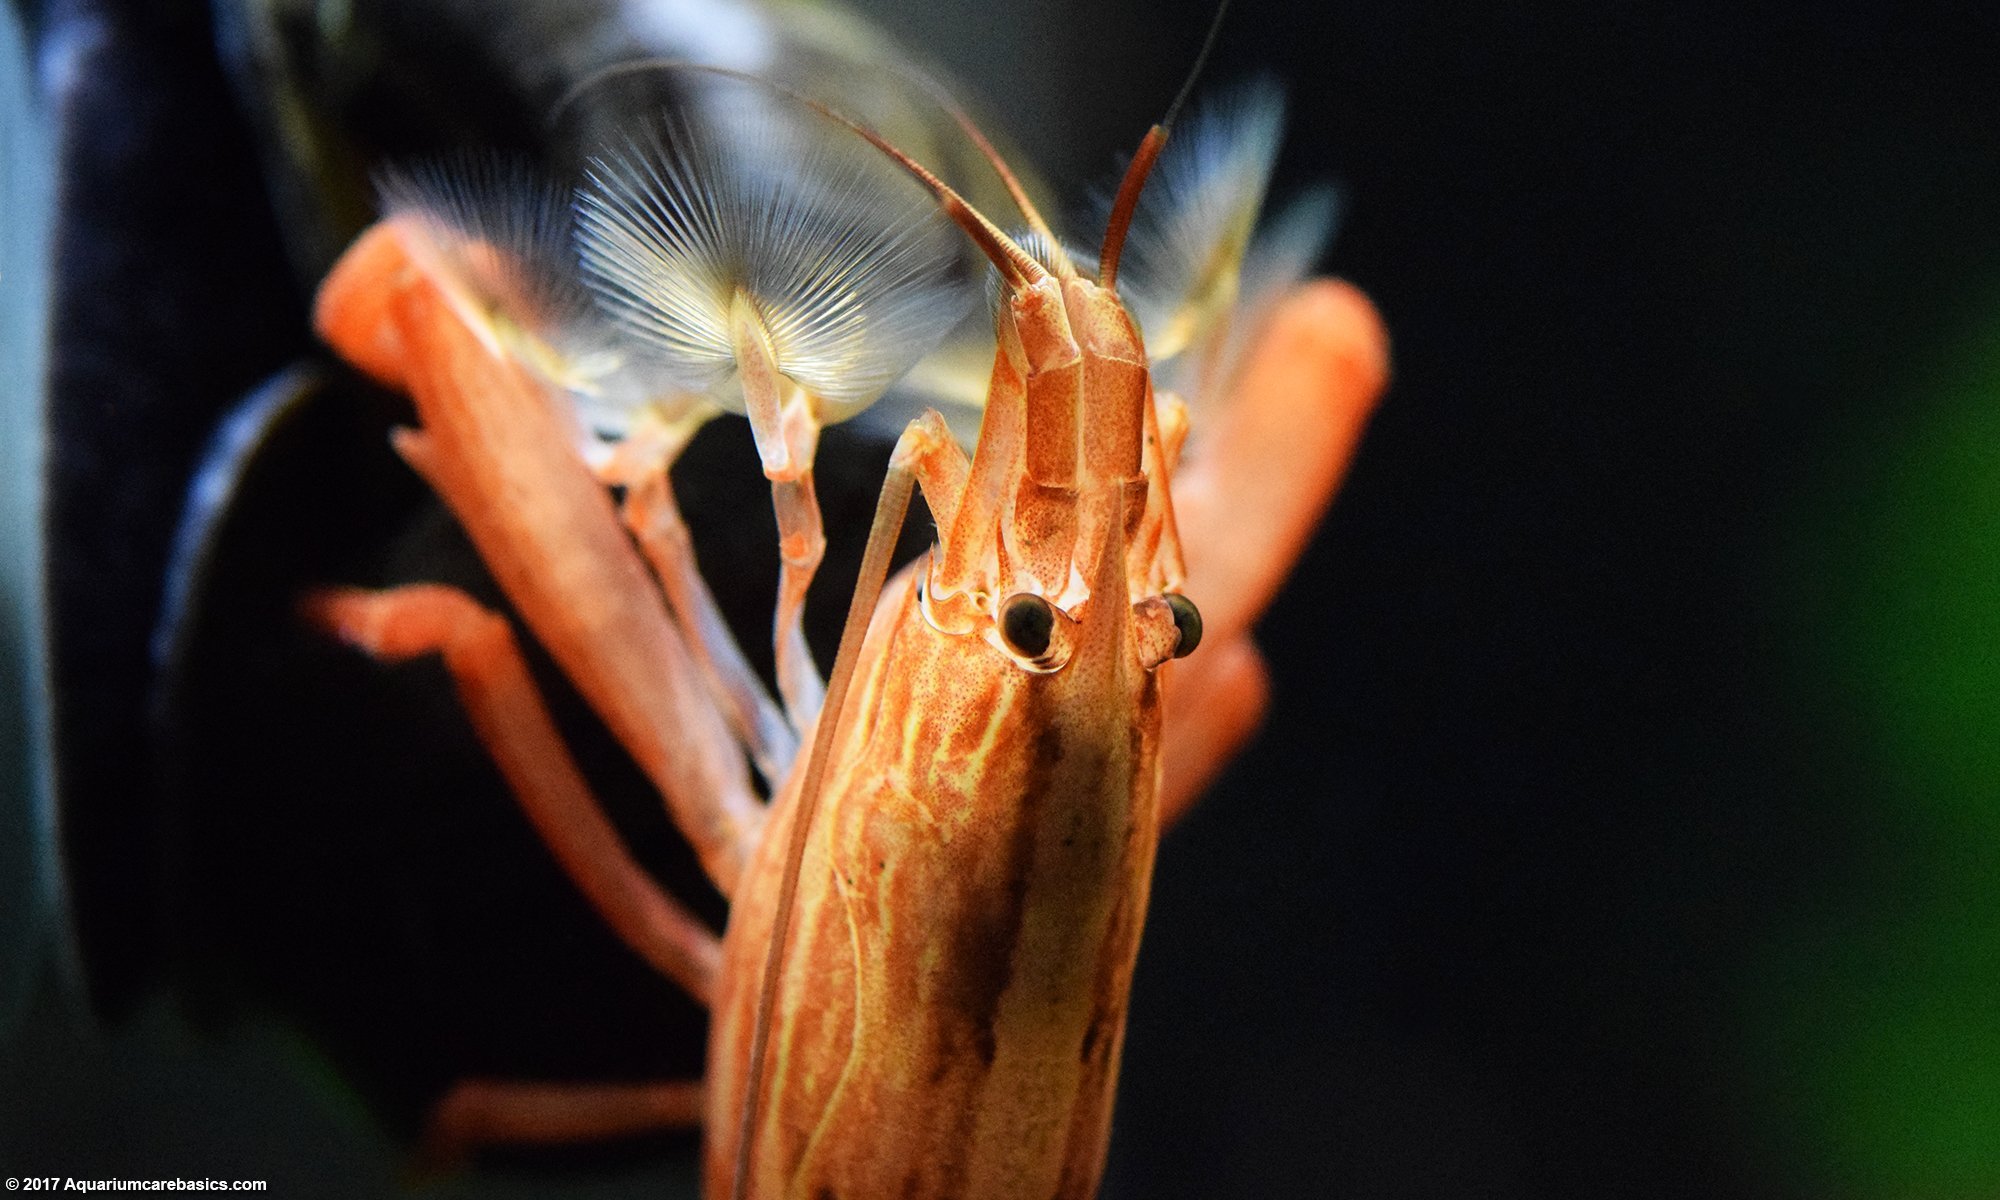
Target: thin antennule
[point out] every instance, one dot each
(1200, 61)
(1142, 162)
(1015, 263)
(1127, 202)
(1059, 255)
(1185, 253)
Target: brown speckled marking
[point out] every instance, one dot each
(985, 942)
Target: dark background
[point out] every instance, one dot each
(1625, 823)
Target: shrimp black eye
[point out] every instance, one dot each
(1026, 621)
(1187, 619)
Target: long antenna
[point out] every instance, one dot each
(631, 66)
(890, 509)
(1200, 61)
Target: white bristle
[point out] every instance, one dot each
(500, 227)
(850, 266)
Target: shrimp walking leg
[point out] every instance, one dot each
(514, 725)
(1250, 494)
(1234, 689)
(486, 1112)
(498, 451)
(1248, 497)
(801, 546)
(654, 518)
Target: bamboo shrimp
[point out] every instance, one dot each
(953, 933)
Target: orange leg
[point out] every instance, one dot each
(801, 546)
(1250, 491)
(654, 517)
(1247, 498)
(514, 725)
(499, 449)
(1228, 689)
(487, 1112)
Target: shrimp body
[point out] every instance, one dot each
(955, 995)
(970, 902)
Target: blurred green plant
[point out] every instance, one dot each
(1885, 999)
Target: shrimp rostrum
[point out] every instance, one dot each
(923, 983)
